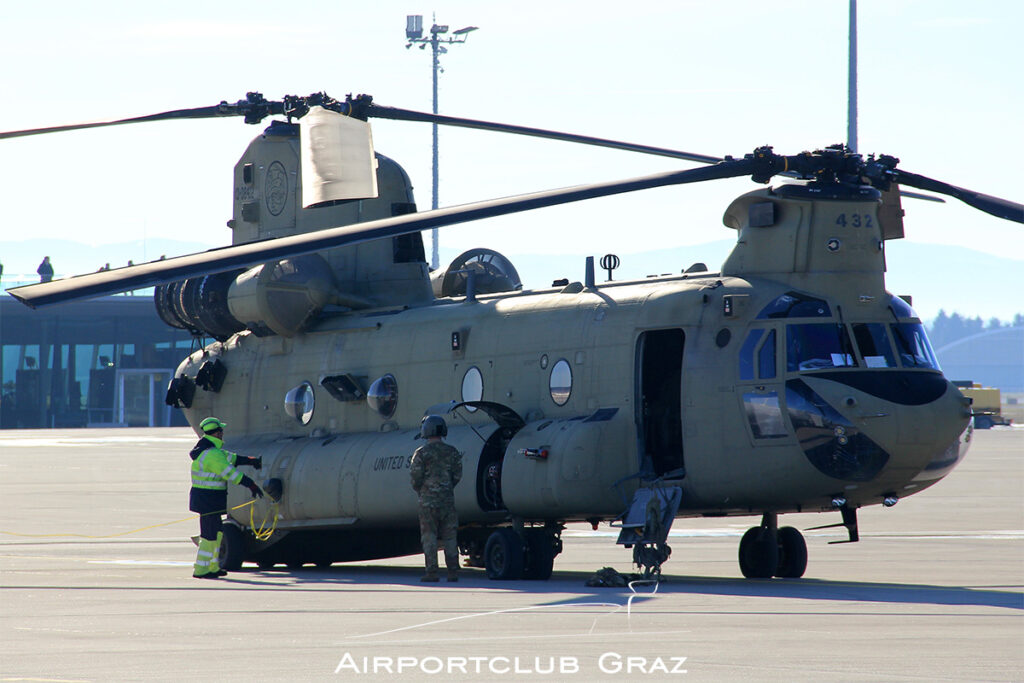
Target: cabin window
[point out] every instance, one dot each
(874, 345)
(914, 348)
(472, 386)
(764, 415)
(560, 382)
(817, 346)
(382, 396)
(796, 305)
(299, 403)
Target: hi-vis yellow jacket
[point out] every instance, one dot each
(215, 467)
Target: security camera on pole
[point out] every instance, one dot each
(414, 34)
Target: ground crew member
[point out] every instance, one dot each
(435, 470)
(45, 270)
(212, 469)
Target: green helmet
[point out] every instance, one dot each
(211, 424)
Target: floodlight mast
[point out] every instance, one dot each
(851, 102)
(414, 35)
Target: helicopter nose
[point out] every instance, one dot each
(886, 427)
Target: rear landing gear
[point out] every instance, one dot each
(767, 551)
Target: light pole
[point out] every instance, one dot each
(436, 41)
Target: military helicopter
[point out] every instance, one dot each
(787, 381)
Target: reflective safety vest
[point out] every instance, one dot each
(214, 468)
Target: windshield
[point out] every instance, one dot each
(874, 345)
(818, 345)
(913, 346)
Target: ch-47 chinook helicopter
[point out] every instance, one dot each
(788, 381)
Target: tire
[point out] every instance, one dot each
(232, 548)
(503, 555)
(983, 422)
(792, 554)
(759, 553)
(540, 556)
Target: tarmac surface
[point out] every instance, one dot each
(933, 592)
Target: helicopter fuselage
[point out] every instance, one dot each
(749, 396)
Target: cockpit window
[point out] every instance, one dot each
(747, 354)
(901, 308)
(913, 346)
(766, 357)
(874, 345)
(796, 305)
(818, 345)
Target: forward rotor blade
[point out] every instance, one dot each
(255, 253)
(397, 114)
(240, 108)
(1003, 208)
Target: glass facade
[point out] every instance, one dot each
(92, 363)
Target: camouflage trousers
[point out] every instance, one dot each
(439, 524)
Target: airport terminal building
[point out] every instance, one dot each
(104, 362)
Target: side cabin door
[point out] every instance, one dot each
(659, 371)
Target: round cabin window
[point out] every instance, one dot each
(560, 382)
(472, 386)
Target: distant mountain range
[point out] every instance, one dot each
(955, 279)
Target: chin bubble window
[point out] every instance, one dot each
(383, 396)
(299, 403)
(560, 382)
(472, 386)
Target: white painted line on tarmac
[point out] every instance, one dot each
(75, 441)
(144, 563)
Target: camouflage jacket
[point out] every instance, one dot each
(435, 470)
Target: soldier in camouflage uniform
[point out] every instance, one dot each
(435, 470)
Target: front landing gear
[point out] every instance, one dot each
(767, 551)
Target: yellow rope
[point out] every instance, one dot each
(263, 533)
(154, 526)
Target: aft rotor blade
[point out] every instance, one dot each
(255, 253)
(397, 114)
(1003, 208)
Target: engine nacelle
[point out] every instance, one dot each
(282, 297)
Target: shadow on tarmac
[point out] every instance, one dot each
(377, 578)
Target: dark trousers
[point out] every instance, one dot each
(210, 505)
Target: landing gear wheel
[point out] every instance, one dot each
(759, 553)
(792, 554)
(232, 548)
(503, 555)
(540, 556)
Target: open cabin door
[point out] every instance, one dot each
(659, 402)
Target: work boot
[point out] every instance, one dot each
(208, 575)
(429, 578)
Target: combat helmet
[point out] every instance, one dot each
(433, 425)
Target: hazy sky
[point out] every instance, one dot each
(939, 87)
